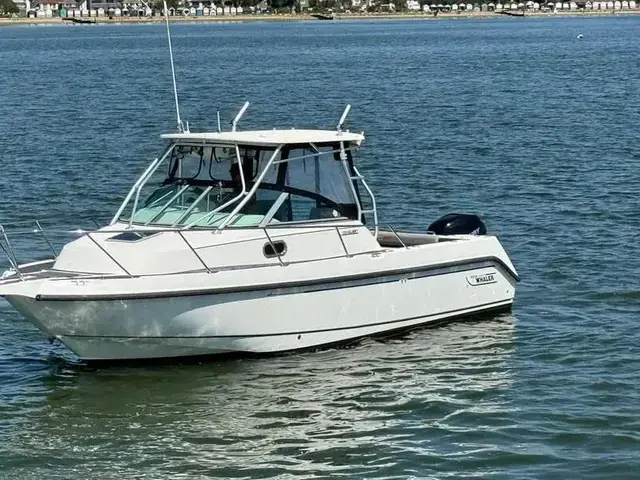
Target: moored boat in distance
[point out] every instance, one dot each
(324, 16)
(254, 241)
(86, 21)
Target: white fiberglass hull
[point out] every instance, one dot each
(268, 320)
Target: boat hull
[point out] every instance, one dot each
(267, 320)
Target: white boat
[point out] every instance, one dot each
(260, 242)
(253, 242)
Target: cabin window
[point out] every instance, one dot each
(208, 163)
(199, 180)
(323, 176)
(133, 236)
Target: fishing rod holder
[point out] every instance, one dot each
(239, 116)
(346, 111)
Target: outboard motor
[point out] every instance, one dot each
(458, 224)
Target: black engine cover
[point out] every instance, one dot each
(458, 224)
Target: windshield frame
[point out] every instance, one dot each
(248, 187)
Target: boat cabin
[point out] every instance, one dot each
(249, 179)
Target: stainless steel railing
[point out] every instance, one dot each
(36, 229)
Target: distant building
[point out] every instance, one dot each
(60, 4)
(23, 5)
(50, 4)
(105, 5)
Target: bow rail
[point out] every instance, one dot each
(26, 271)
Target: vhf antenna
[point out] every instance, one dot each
(181, 127)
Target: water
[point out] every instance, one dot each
(514, 119)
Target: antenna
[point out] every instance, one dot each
(173, 71)
(218, 115)
(240, 113)
(343, 117)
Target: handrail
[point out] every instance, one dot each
(393, 230)
(55, 255)
(329, 222)
(326, 222)
(10, 253)
(14, 266)
(373, 200)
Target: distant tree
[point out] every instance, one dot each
(159, 5)
(281, 4)
(246, 3)
(327, 4)
(7, 7)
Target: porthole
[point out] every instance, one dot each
(274, 249)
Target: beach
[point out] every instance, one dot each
(307, 17)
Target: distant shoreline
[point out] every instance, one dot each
(305, 17)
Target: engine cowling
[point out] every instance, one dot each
(458, 224)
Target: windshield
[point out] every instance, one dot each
(202, 185)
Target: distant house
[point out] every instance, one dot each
(23, 5)
(60, 4)
(102, 4)
(51, 4)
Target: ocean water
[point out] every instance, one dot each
(517, 120)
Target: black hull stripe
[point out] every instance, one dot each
(376, 277)
(455, 312)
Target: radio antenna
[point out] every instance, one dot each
(173, 71)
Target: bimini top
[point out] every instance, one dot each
(268, 138)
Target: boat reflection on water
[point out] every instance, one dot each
(308, 411)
